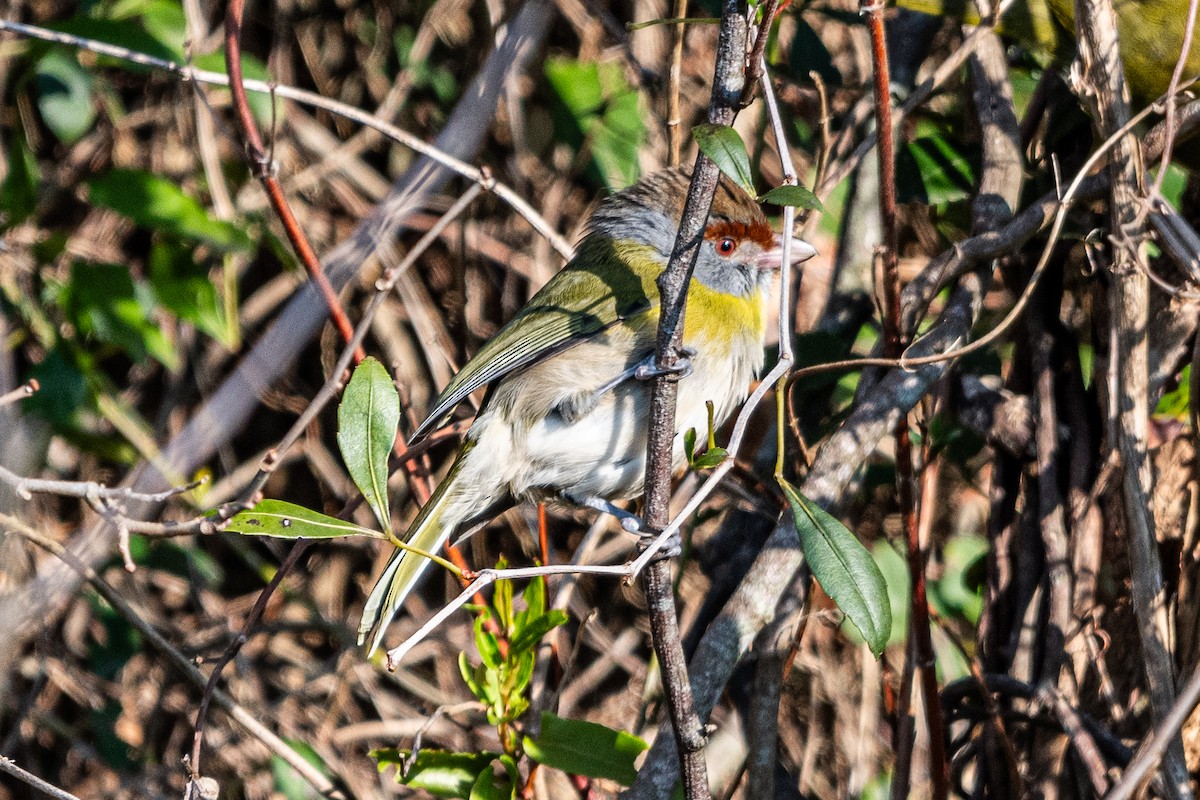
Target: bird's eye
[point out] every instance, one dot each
(726, 246)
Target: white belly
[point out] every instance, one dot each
(602, 454)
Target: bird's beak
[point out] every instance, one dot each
(772, 259)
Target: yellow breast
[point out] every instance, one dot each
(724, 321)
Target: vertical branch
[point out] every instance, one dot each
(672, 286)
(260, 163)
(1128, 363)
(920, 647)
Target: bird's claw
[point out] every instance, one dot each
(649, 369)
(672, 548)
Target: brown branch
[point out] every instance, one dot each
(672, 287)
(756, 64)
(1128, 363)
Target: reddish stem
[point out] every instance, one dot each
(920, 650)
(260, 164)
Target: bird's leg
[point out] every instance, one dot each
(630, 522)
(579, 405)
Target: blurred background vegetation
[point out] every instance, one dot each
(140, 262)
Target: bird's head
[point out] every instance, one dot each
(740, 252)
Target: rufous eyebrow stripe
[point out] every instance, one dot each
(759, 232)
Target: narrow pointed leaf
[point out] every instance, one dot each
(843, 567)
(284, 520)
(725, 147)
(367, 420)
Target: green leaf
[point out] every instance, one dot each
(122, 33)
(959, 592)
(165, 21)
(490, 786)
(789, 195)
(932, 169)
(64, 92)
(603, 115)
(534, 630)
(710, 458)
(18, 190)
(104, 302)
(159, 204)
(283, 520)
(291, 784)
(535, 597)
(64, 393)
(843, 567)
(468, 675)
(487, 644)
(368, 417)
(502, 601)
(585, 748)
(689, 445)
(725, 147)
(1178, 401)
(440, 772)
(184, 286)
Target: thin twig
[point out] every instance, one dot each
(919, 653)
(1154, 748)
(234, 647)
(20, 393)
(249, 721)
(756, 62)
(674, 77)
(396, 134)
(48, 789)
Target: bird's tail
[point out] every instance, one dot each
(428, 532)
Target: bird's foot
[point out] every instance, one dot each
(672, 548)
(649, 368)
(632, 523)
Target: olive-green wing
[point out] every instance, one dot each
(576, 304)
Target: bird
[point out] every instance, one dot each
(565, 417)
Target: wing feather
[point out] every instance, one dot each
(574, 306)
